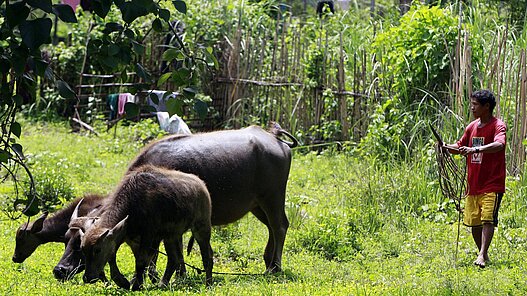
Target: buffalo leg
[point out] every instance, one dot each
(278, 225)
(152, 272)
(142, 258)
(268, 254)
(202, 235)
(116, 275)
(175, 261)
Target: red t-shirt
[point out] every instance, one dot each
(486, 171)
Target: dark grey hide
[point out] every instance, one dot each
(245, 171)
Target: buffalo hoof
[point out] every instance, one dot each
(273, 269)
(136, 285)
(122, 282)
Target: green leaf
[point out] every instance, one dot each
(16, 13)
(4, 156)
(164, 14)
(31, 207)
(164, 78)
(131, 110)
(40, 67)
(129, 33)
(16, 129)
(131, 11)
(139, 48)
(112, 27)
(65, 90)
(154, 98)
(110, 61)
(36, 32)
(201, 109)
(170, 54)
(174, 106)
(113, 49)
(65, 13)
(181, 6)
(45, 5)
(18, 150)
(18, 60)
(101, 7)
(157, 25)
(141, 72)
(181, 77)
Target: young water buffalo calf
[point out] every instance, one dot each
(150, 205)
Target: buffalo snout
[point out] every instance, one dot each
(64, 273)
(17, 259)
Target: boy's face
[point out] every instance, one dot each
(477, 109)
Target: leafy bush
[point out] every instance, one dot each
(416, 56)
(52, 188)
(416, 52)
(333, 235)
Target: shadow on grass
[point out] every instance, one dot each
(194, 282)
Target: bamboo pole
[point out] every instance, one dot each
(523, 96)
(500, 73)
(342, 87)
(520, 124)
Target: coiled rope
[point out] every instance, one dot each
(452, 179)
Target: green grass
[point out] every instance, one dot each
(358, 227)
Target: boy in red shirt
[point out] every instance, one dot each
(483, 143)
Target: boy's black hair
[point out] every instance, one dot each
(485, 96)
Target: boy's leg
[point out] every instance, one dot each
(476, 235)
(490, 204)
(486, 238)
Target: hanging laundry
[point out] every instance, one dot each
(172, 125)
(162, 97)
(72, 3)
(111, 102)
(123, 99)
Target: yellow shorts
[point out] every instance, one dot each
(481, 209)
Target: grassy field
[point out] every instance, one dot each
(358, 227)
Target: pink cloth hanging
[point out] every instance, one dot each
(72, 3)
(123, 99)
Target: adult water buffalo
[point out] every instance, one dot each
(245, 171)
(149, 205)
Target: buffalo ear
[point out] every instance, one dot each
(39, 223)
(104, 234)
(119, 230)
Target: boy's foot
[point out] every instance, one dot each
(481, 261)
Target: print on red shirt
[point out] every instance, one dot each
(477, 142)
